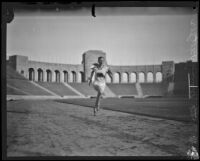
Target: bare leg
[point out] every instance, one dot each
(94, 111)
(95, 107)
(97, 104)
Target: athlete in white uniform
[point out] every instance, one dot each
(99, 83)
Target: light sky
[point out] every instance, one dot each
(129, 36)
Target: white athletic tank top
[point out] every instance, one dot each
(100, 72)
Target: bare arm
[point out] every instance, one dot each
(91, 75)
(110, 73)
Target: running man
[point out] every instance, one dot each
(99, 71)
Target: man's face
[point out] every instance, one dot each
(101, 60)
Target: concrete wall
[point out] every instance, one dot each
(174, 77)
(39, 71)
(74, 73)
(181, 79)
(129, 70)
(168, 69)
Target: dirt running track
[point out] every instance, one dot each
(48, 128)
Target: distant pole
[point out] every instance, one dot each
(189, 85)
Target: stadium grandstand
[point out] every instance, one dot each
(25, 77)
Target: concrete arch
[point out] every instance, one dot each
(65, 76)
(116, 77)
(108, 79)
(141, 77)
(70, 77)
(124, 77)
(159, 77)
(132, 77)
(49, 75)
(57, 75)
(81, 76)
(31, 72)
(150, 78)
(73, 76)
(40, 75)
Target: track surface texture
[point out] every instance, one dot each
(168, 108)
(51, 128)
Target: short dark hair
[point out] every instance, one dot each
(100, 57)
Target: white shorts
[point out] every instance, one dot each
(99, 86)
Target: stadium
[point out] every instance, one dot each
(65, 80)
(150, 104)
(165, 101)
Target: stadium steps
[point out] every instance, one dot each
(170, 89)
(108, 92)
(25, 86)
(152, 89)
(125, 89)
(17, 84)
(58, 88)
(36, 84)
(15, 91)
(89, 91)
(74, 90)
(84, 88)
(139, 90)
(181, 89)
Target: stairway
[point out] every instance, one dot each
(139, 90)
(74, 90)
(170, 89)
(108, 92)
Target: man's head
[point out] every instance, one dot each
(100, 60)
